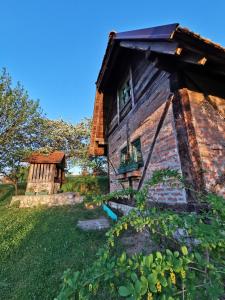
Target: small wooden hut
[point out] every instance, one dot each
(46, 173)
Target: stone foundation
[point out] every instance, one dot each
(48, 200)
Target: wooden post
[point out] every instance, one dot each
(52, 172)
(38, 172)
(118, 108)
(131, 87)
(31, 169)
(47, 172)
(35, 173)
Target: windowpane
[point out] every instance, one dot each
(124, 93)
(136, 150)
(123, 155)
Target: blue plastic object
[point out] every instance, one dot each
(109, 212)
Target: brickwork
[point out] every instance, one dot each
(210, 133)
(142, 122)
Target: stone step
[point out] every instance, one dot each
(94, 224)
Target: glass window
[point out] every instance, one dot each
(136, 151)
(123, 158)
(124, 93)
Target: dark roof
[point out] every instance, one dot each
(153, 33)
(165, 33)
(55, 157)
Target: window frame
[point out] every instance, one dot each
(124, 110)
(132, 164)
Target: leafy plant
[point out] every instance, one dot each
(189, 265)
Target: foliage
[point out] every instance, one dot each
(188, 265)
(74, 140)
(24, 129)
(20, 126)
(71, 138)
(5, 191)
(37, 244)
(86, 185)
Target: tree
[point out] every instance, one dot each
(70, 138)
(74, 140)
(24, 129)
(21, 124)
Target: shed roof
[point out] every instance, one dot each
(55, 157)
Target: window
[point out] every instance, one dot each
(135, 161)
(136, 151)
(123, 156)
(124, 93)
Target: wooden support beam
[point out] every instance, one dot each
(178, 51)
(34, 173)
(192, 58)
(31, 169)
(131, 86)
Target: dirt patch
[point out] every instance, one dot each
(138, 242)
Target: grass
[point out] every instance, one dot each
(38, 245)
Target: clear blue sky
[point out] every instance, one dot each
(55, 47)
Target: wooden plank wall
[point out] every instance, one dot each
(41, 173)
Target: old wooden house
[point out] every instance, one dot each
(160, 103)
(46, 173)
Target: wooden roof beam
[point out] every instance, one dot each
(192, 58)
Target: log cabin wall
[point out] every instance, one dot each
(151, 119)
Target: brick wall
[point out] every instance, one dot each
(142, 122)
(209, 127)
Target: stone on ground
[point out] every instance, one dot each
(94, 224)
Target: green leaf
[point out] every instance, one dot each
(123, 257)
(152, 288)
(149, 260)
(124, 291)
(134, 277)
(163, 280)
(184, 250)
(168, 252)
(198, 257)
(144, 285)
(138, 287)
(152, 278)
(159, 255)
(176, 253)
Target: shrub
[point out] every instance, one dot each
(190, 266)
(86, 185)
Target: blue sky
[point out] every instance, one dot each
(54, 48)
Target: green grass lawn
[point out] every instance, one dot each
(37, 245)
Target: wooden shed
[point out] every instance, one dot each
(46, 173)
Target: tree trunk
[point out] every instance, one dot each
(16, 187)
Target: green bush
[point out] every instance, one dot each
(188, 267)
(86, 185)
(6, 191)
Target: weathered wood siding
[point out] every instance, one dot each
(151, 92)
(41, 178)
